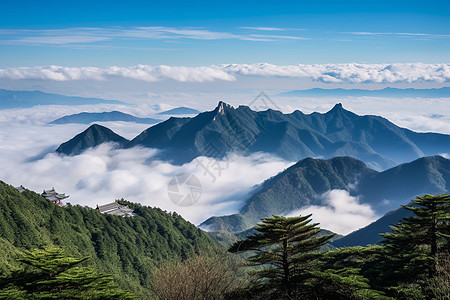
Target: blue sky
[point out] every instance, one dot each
(197, 33)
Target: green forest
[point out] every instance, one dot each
(127, 248)
(74, 252)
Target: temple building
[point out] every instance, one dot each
(20, 188)
(116, 209)
(53, 196)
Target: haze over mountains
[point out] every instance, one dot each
(372, 139)
(180, 111)
(24, 99)
(386, 92)
(87, 118)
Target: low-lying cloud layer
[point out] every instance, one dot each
(341, 213)
(102, 174)
(326, 73)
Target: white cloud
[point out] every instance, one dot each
(341, 213)
(411, 34)
(264, 28)
(352, 73)
(279, 37)
(94, 35)
(140, 72)
(445, 155)
(103, 174)
(60, 40)
(349, 73)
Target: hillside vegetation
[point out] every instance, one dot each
(127, 248)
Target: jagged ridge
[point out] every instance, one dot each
(339, 132)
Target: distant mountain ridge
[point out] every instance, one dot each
(87, 118)
(302, 185)
(372, 139)
(386, 92)
(25, 99)
(180, 111)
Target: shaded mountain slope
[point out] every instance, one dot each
(370, 235)
(91, 137)
(429, 175)
(372, 139)
(303, 183)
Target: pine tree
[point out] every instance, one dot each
(283, 247)
(51, 274)
(410, 251)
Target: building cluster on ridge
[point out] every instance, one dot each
(113, 208)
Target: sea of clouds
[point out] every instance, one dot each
(103, 174)
(328, 73)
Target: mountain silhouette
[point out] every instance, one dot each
(339, 132)
(87, 118)
(179, 111)
(387, 92)
(91, 137)
(23, 99)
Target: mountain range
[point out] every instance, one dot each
(304, 183)
(24, 99)
(339, 132)
(87, 118)
(386, 92)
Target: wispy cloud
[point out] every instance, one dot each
(93, 35)
(270, 28)
(288, 37)
(327, 73)
(411, 34)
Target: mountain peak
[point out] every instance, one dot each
(221, 107)
(91, 137)
(337, 107)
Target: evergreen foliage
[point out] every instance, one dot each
(279, 245)
(408, 260)
(51, 274)
(291, 267)
(159, 254)
(128, 248)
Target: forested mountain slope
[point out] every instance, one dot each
(129, 248)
